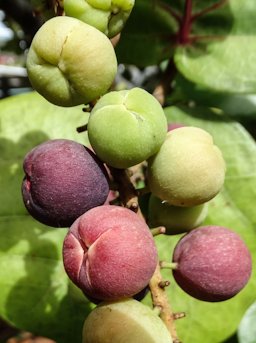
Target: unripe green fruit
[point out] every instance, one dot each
(126, 321)
(175, 219)
(108, 16)
(127, 127)
(188, 170)
(70, 62)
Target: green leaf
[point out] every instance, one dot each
(147, 37)
(36, 294)
(234, 207)
(224, 63)
(247, 328)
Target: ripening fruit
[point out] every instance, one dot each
(109, 253)
(107, 16)
(188, 170)
(127, 127)
(214, 263)
(126, 321)
(175, 219)
(63, 180)
(70, 62)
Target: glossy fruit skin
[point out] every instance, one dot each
(107, 16)
(188, 170)
(124, 321)
(214, 264)
(63, 180)
(109, 253)
(70, 63)
(126, 127)
(175, 219)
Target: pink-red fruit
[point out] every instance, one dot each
(63, 180)
(213, 263)
(109, 253)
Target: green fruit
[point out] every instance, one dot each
(188, 170)
(107, 16)
(70, 62)
(175, 219)
(127, 127)
(126, 321)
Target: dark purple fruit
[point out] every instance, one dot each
(214, 263)
(63, 180)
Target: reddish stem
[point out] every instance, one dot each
(185, 27)
(208, 9)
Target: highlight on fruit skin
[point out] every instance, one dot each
(107, 16)
(213, 263)
(126, 127)
(109, 253)
(189, 168)
(70, 62)
(63, 179)
(175, 219)
(126, 321)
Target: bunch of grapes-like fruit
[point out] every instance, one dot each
(109, 250)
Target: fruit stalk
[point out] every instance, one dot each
(160, 300)
(129, 198)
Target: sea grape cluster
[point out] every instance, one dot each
(109, 251)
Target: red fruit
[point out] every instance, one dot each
(63, 180)
(214, 263)
(109, 252)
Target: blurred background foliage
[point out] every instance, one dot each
(206, 73)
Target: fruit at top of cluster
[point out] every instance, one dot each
(63, 180)
(175, 219)
(109, 253)
(70, 62)
(108, 16)
(124, 321)
(188, 170)
(214, 264)
(127, 127)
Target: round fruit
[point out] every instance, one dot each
(63, 180)
(175, 219)
(188, 170)
(126, 127)
(109, 253)
(124, 321)
(107, 16)
(70, 62)
(214, 263)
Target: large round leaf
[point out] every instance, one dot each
(36, 294)
(224, 61)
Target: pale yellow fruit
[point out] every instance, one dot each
(70, 62)
(188, 170)
(125, 321)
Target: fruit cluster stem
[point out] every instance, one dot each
(129, 198)
(160, 300)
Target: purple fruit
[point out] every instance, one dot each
(109, 253)
(63, 180)
(214, 263)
